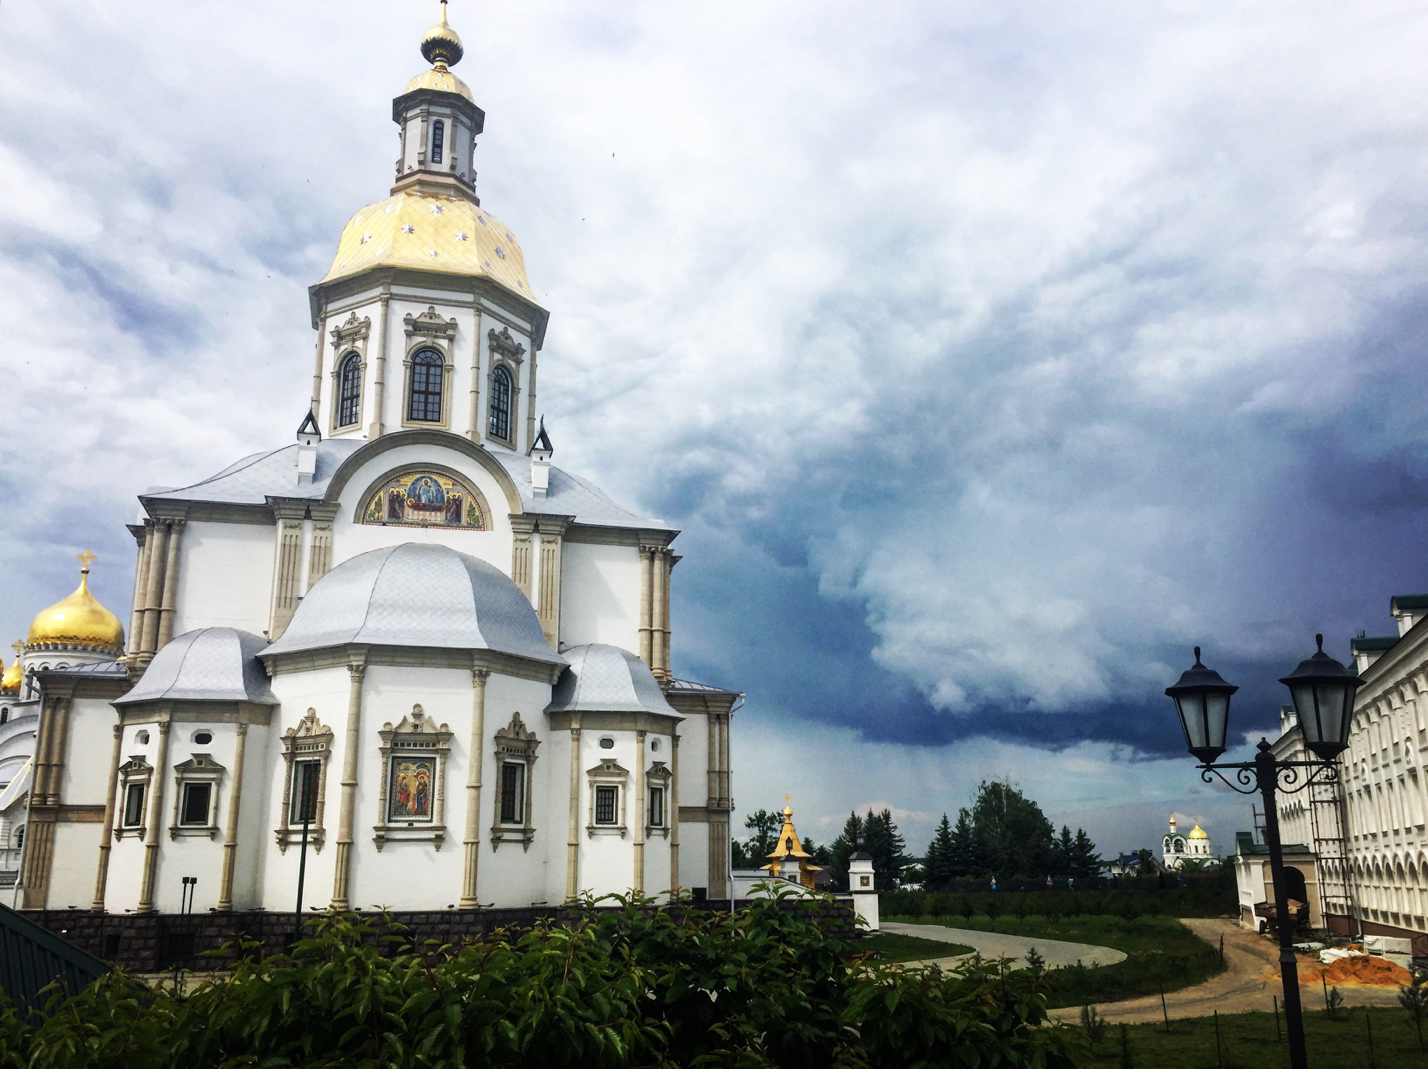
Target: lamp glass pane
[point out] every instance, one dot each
(1307, 707)
(1192, 718)
(1217, 716)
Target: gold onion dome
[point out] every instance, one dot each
(440, 45)
(1198, 833)
(79, 622)
(14, 675)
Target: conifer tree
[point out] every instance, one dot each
(842, 849)
(1085, 862)
(939, 861)
(886, 846)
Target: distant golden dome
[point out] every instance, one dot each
(1198, 832)
(79, 622)
(13, 677)
(440, 45)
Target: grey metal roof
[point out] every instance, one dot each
(606, 679)
(691, 686)
(569, 495)
(1408, 601)
(255, 478)
(216, 664)
(416, 595)
(1373, 642)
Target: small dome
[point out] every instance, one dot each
(606, 679)
(214, 664)
(443, 81)
(442, 234)
(13, 677)
(1198, 832)
(417, 595)
(79, 622)
(441, 45)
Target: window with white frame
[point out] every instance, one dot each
(607, 782)
(657, 789)
(135, 776)
(196, 796)
(515, 748)
(307, 752)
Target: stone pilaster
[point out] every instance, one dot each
(638, 887)
(106, 840)
(522, 531)
(549, 596)
(475, 756)
(674, 817)
(647, 554)
(230, 831)
(168, 603)
(379, 382)
(357, 669)
(473, 429)
(156, 816)
(287, 577)
(158, 535)
(572, 855)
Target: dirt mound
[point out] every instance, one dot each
(1358, 972)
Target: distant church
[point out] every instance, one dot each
(1178, 849)
(406, 637)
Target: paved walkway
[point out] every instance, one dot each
(996, 945)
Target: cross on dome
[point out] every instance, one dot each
(86, 559)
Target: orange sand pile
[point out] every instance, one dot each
(1358, 972)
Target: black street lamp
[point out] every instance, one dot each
(1323, 694)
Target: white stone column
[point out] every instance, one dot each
(106, 840)
(475, 757)
(230, 832)
(345, 835)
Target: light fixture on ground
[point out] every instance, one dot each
(1322, 690)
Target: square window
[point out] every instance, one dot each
(303, 804)
(607, 805)
(656, 807)
(513, 792)
(196, 799)
(134, 805)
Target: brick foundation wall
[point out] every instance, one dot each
(1347, 926)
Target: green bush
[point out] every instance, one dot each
(625, 985)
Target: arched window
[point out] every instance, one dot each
(500, 423)
(349, 389)
(438, 138)
(424, 399)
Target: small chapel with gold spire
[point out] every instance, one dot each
(403, 653)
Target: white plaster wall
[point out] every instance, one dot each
(600, 595)
(326, 691)
(75, 865)
(257, 816)
(694, 760)
(606, 858)
(410, 874)
(694, 856)
(350, 539)
(85, 776)
(17, 738)
(553, 836)
(225, 576)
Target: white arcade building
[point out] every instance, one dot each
(406, 629)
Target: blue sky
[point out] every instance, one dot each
(989, 355)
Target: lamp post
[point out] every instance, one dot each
(1323, 694)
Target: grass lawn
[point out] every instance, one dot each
(889, 947)
(1247, 1041)
(1162, 954)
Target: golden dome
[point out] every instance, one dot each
(14, 675)
(445, 233)
(77, 622)
(440, 45)
(1198, 832)
(442, 80)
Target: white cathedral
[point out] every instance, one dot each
(406, 639)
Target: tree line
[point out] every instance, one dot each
(1002, 836)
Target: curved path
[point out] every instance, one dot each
(996, 945)
(1249, 983)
